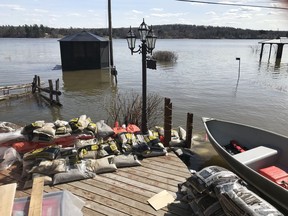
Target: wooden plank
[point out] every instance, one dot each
(133, 182)
(123, 191)
(130, 191)
(171, 158)
(35, 206)
(129, 206)
(162, 174)
(166, 170)
(169, 166)
(7, 198)
(153, 182)
(148, 175)
(95, 202)
(90, 208)
(118, 184)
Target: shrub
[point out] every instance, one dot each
(127, 108)
(165, 56)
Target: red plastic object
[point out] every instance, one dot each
(275, 174)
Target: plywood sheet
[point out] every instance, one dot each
(161, 200)
(7, 198)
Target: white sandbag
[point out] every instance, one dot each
(128, 160)
(75, 172)
(8, 156)
(104, 130)
(6, 127)
(182, 133)
(49, 167)
(10, 136)
(101, 165)
(48, 129)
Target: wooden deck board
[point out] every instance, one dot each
(124, 192)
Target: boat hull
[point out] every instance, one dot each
(220, 133)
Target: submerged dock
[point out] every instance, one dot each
(124, 192)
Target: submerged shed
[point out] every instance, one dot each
(84, 51)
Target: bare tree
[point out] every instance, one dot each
(127, 108)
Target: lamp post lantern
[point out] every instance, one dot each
(148, 39)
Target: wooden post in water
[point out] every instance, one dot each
(57, 89)
(51, 91)
(189, 128)
(261, 53)
(279, 51)
(270, 52)
(34, 84)
(167, 121)
(38, 83)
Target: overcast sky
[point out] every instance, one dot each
(94, 14)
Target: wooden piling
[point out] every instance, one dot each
(57, 90)
(189, 128)
(270, 52)
(50, 90)
(38, 83)
(261, 52)
(167, 121)
(279, 51)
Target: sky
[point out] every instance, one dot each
(125, 13)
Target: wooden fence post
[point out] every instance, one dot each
(189, 128)
(51, 90)
(57, 89)
(167, 121)
(34, 84)
(38, 83)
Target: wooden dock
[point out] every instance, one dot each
(124, 192)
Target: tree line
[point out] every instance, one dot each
(175, 31)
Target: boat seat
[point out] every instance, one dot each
(258, 157)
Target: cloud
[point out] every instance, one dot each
(156, 9)
(75, 15)
(11, 6)
(253, 9)
(167, 14)
(41, 10)
(212, 13)
(137, 12)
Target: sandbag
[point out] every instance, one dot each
(50, 167)
(62, 127)
(11, 136)
(132, 128)
(126, 160)
(75, 172)
(104, 130)
(6, 127)
(47, 129)
(49, 153)
(101, 165)
(8, 156)
(28, 129)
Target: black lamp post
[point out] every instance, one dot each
(148, 39)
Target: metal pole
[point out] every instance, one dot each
(144, 126)
(110, 34)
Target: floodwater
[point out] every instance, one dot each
(204, 81)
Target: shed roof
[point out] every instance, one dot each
(83, 36)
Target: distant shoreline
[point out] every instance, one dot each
(175, 31)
